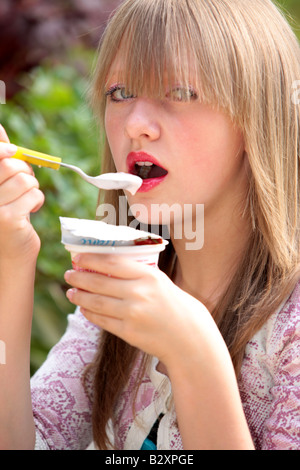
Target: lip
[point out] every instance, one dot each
(149, 183)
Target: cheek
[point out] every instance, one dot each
(215, 159)
(216, 147)
(113, 126)
(109, 126)
(114, 132)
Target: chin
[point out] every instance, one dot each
(157, 214)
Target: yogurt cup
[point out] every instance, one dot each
(89, 236)
(147, 254)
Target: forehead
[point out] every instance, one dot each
(116, 68)
(151, 78)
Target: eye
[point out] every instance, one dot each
(118, 93)
(182, 94)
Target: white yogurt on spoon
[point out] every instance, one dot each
(117, 181)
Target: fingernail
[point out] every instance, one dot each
(67, 275)
(70, 293)
(76, 258)
(9, 149)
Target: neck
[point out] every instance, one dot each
(206, 273)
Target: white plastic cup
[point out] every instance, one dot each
(148, 254)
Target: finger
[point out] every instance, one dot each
(112, 264)
(113, 325)
(98, 304)
(7, 149)
(39, 204)
(23, 206)
(98, 283)
(3, 134)
(16, 186)
(10, 166)
(32, 201)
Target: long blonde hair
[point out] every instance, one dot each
(245, 58)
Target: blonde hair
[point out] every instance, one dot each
(245, 58)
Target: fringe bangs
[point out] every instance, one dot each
(159, 45)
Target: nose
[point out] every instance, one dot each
(142, 120)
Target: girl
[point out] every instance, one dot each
(202, 353)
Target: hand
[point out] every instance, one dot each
(138, 303)
(19, 196)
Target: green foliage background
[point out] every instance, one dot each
(51, 115)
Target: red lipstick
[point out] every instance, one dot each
(148, 168)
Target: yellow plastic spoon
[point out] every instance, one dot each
(38, 158)
(105, 181)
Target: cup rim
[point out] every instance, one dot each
(120, 249)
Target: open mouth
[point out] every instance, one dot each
(146, 167)
(148, 170)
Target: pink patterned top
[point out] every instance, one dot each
(269, 388)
